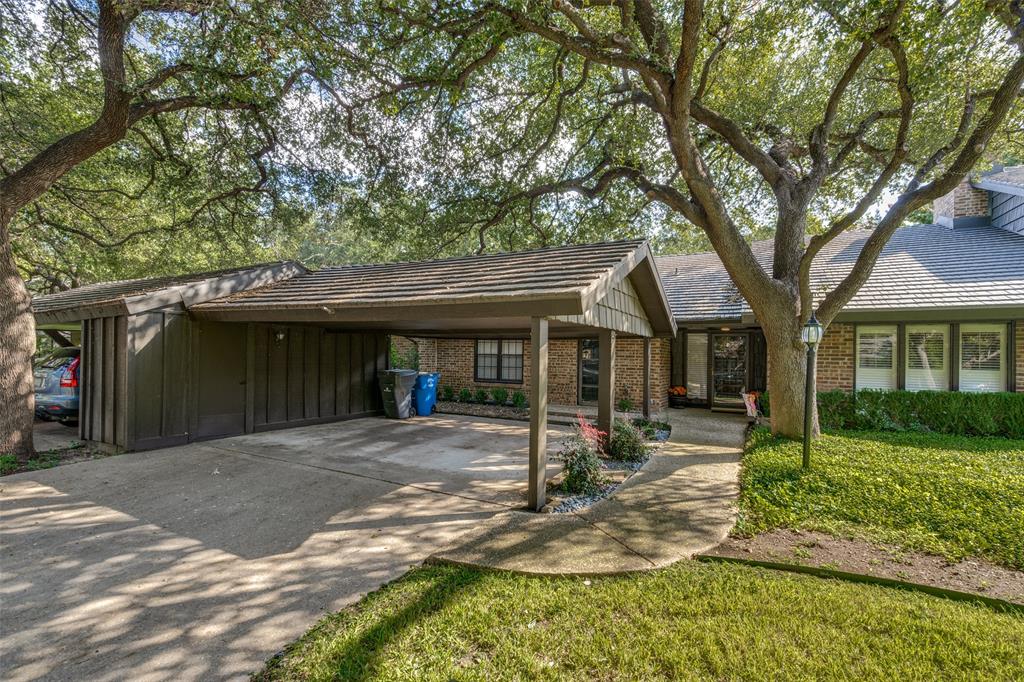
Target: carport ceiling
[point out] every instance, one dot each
(493, 292)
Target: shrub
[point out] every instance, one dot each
(625, 404)
(950, 412)
(582, 466)
(519, 399)
(447, 393)
(410, 359)
(500, 395)
(465, 395)
(481, 395)
(627, 442)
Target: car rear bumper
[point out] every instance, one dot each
(54, 408)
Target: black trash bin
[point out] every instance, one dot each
(396, 390)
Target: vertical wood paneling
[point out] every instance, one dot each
(177, 357)
(311, 374)
(261, 363)
(250, 377)
(96, 387)
(355, 364)
(343, 375)
(277, 380)
(327, 376)
(121, 404)
(109, 342)
(296, 349)
(369, 370)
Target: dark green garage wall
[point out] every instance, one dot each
(159, 395)
(103, 397)
(309, 374)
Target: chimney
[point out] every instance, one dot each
(965, 206)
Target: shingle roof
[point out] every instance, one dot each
(922, 267)
(499, 277)
(104, 293)
(1009, 180)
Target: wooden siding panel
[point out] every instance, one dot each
(343, 374)
(355, 364)
(261, 361)
(327, 377)
(311, 374)
(121, 404)
(369, 371)
(108, 388)
(277, 378)
(177, 358)
(296, 350)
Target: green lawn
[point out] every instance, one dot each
(691, 621)
(952, 495)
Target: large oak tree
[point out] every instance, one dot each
(138, 135)
(797, 119)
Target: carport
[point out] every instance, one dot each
(304, 346)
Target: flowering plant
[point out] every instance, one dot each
(677, 390)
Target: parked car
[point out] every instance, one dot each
(57, 377)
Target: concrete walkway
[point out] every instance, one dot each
(681, 503)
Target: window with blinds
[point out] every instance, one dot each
(927, 353)
(499, 360)
(876, 357)
(983, 357)
(697, 366)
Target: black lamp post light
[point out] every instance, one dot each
(810, 334)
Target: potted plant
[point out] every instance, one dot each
(677, 396)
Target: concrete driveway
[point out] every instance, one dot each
(201, 561)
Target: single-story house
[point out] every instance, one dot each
(943, 310)
(174, 359)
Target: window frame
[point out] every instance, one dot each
(501, 361)
(897, 355)
(1006, 354)
(954, 360)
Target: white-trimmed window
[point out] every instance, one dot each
(983, 357)
(927, 353)
(499, 360)
(876, 356)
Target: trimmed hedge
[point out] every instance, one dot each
(952, 412)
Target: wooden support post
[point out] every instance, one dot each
(606, 380)
(537, 496)
(647, 378)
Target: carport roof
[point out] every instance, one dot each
(444, 295)
(136, 295)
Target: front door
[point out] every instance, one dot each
(728, 370)
(589, 364)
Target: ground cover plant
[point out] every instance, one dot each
(447, 393)
(500, 395)
(688, 622)
(951, 495)
(465, 395)
(518, 399)
(481, 395)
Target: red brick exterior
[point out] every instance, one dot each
(454, 359)
(835, 358)
(963, 202)
(1019, 353)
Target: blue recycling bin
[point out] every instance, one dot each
(424, 392)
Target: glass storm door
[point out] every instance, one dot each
(728, 369)
(589, 362)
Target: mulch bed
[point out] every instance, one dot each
(478, 410)
(58, 457)
(809, 548)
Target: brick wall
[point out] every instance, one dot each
(964, 201)
(455, 360)
(835, 358)
(1019, 354)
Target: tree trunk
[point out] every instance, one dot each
(17, 344)
(787, 372)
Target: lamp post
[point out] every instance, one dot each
(810, 334)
